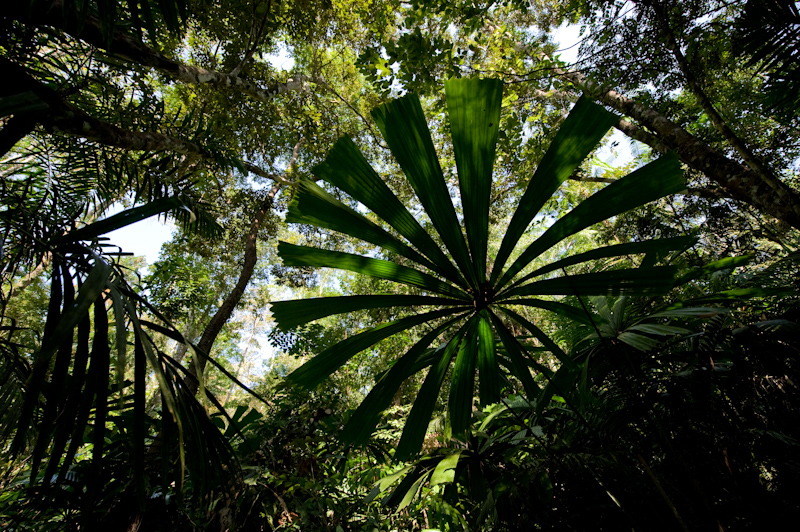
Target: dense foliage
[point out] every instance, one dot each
(485, 317)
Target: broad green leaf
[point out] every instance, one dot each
(741, 294)
(445, 470)
(515, 353)
(728, 263)
(91, 288)
(388, 480)
(324, 364)
(67, 396)
(365, 418)
(562, 309)
(405, 491)
(289, 314)
(417, 423)
(462, 381)
(488, 368)
(473, 107)
(617, 250)
(346, 168)
(638, 341)
(411, 493)
(662, 330)
(656, 180)
(582, 130)
(158, 369)
(405, 130)
(98, 382)
(656, 280)
(121, 340)
(690, 312)
(294, 255)
(77, 414)
(312, 205)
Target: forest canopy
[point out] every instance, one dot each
(426, 274)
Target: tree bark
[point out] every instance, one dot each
(128, 48)
(720, 124)
(626, 127)
(739, 181)
(225, 310)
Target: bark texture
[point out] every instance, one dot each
(628, 128)
(225, 311)
(720, 124)
(741, 182)
(127, 47)
(770, 196)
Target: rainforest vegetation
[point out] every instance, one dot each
(427, 272)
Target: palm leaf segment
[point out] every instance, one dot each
(467, 291)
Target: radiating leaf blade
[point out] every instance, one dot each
(562, 309)
(473, 107)
(417, 423)
(516, 355)
(582, 130)
(488, 368)
(462, 382)
(312, 205)
(289, 314)
(324, 364)
(633, 248)
(656, 280)
(405, 129)
(346, 168)
(294, 255)
(653, 181)
(363, 421)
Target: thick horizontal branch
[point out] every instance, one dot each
(626, 127)
(253, 169)
(69, 119)
(131, 49)
(739, 181)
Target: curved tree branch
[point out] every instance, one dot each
(225, 311)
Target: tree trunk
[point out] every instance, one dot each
(747, 155)
(739, 181)
(225, 311)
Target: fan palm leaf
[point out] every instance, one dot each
(467, 291)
